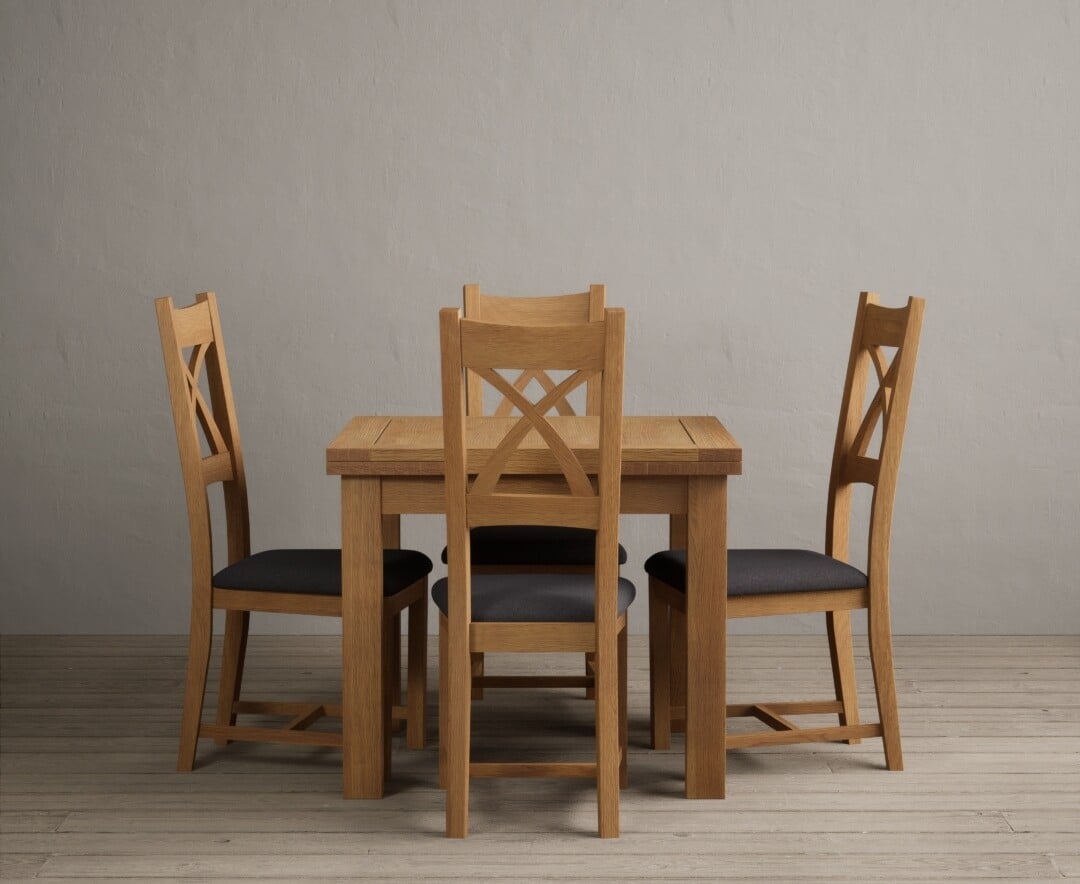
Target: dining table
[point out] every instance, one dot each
(391, 466)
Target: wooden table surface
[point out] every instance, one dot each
(684, 445)
(391, 466)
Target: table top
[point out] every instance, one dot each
(651, 446)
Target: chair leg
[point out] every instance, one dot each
(607, 736)
(624, 726)
(459, 715)
(232, 668)
(417, 672)
(395, 684)
(677, 663)
(590, 661)
(659, 672)
(885, 684)
(477, 659)
(391, 673)
(444, 700)
(842, 655)
(195, 684)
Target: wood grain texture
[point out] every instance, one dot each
(658, 469)
(658, 445)
(706, 637)
(358, 435)
(362, 628)
(582, 307)
(978, 800)
(482, 348)
(198, 327)
(546, 310)
(569, 309)
(711, 438)
(640, 494)
(576, 347)
(875, 328)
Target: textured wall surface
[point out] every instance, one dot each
(735, 173)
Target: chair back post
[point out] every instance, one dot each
(541, 310)
(198, 327)
(238, 526)
(892, 443)
(474, 387)
(610, 393)
(875, 327)
(838, 516)
(597, 308)
(455, 479)
(198, 507)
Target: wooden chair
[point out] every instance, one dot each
(532, 611)
(514, 549)
(281, 581)
(765, 582)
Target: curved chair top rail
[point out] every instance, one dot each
(543, 310)
(197, 328)
(587, 350)
(877, 329)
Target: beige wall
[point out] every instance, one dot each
(735, 173)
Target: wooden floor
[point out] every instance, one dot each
(991, 730)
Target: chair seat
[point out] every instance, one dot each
(757, 571)
(534, 545)
(316, 571)
(515, 598)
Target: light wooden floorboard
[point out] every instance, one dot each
(991, 730)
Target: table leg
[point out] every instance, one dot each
(362, 720)
(677, 531)
(677, 621)
(706, 637)
(391, 539)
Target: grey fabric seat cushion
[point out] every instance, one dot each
(534, 545)
(756, 571)
(316, 571)
(513, 598)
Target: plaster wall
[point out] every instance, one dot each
(734, 172)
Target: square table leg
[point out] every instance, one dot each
(706, 637)
(362, 719)
(677, 631)
(391, 539)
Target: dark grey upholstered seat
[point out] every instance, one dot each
(316, 571)
(754, 571)
(534, 545)
(514, 598)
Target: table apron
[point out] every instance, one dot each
(403, 495)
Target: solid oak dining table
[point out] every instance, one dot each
(392, 466)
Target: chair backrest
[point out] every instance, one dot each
(591, 349)
(545, 310)
(197, 328)
(877, 329)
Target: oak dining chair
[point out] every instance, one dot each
(278, 581)
(533, 611)
(514, 549)
(767, 582)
